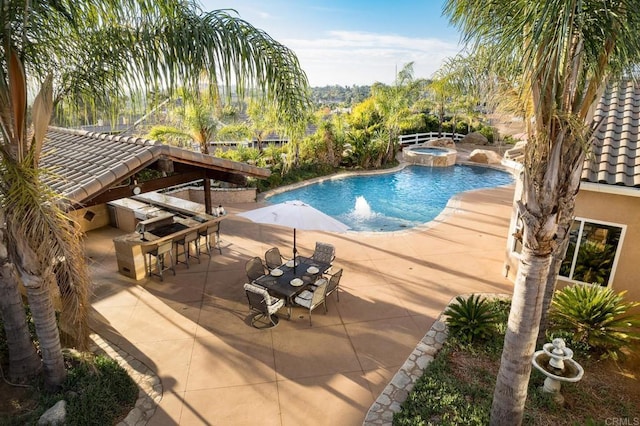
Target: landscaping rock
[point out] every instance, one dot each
(475, 138)
(442, 143)
(483, 156)
(55, 415)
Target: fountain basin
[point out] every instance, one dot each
(429, 155)
(572, 371)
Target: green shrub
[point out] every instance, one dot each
(487, 131)
(471, 318)
(440, 398)
(98, 392)
(595, 316)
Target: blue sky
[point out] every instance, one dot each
(354, 41)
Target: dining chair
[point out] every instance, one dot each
(324, 252)
(312, 299)
(273, 258)
(262, 305)
(254, 268)
(334, 283)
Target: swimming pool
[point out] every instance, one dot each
(393, 201)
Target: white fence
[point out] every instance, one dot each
(417, 138)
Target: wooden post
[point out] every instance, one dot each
(207, 195)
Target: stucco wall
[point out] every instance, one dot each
(93, 217)
(218, 196)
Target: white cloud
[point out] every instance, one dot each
(347, 58)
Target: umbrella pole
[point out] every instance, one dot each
(295, 251)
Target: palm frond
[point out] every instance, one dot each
(41, 116)
(43, 241)
(18, 96)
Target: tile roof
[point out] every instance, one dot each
(615, 156)
(84, 164)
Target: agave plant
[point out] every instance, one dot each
(596, 316)
(471, 318)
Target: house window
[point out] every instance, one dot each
(516, 242)
(593, 252)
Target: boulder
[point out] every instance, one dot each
(441, 143)
(484, 156)
(475, 138)
(55, 415)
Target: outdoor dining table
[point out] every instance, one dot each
(281, 286)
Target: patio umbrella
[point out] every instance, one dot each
(297, 215)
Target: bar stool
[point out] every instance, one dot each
(159, 254)
(185, 243)
(211, 231)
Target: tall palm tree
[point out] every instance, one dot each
(441, 90)
(196, 123)
(567, 52)
(65, 50)
(264, 119)
(393, 104)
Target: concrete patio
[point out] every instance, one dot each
(193, 329)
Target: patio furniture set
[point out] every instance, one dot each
(279, 282)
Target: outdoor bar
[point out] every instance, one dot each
(164, 218)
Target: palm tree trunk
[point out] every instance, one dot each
(569, 186)
(515, 367)
(546, 207)
(24, 361)
(44, 318)
(388, 155)
(549, 291)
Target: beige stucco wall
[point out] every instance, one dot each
(218, 196)
(605, 207)
(93, 217)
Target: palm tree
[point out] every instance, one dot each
(468, 83)
(441, 89)
(67, 50)
(567, 52)
(196, 123)
(393, 104)
(264, 119)
(24, 359)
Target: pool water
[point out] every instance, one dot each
(393, 201)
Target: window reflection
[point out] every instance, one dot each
(597, 247)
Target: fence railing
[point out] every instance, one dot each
(417, 138)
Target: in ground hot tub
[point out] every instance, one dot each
(429, 155)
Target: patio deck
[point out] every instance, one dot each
(193, 329)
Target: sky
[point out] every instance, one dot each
(354, 42)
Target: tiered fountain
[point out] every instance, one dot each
(555, 361)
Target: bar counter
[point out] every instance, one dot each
(131, 249)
